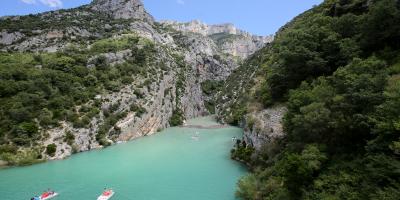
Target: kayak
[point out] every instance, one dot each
(106, 195)
(50, 196)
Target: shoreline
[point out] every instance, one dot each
(4, 164)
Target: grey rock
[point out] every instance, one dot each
(263, 127)
(122, 9)
(227, 37)
(9, 38)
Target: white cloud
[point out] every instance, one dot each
(182, 2)
(29, 1)
(49, 3)
(52, 3)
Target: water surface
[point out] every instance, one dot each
(170, 165)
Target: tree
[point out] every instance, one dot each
(299, 170)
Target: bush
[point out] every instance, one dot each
(51, 150)
(176, 118)
(69, 138)
(137, 109)
(210, 87)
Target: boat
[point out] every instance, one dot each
(46, 196)
(107, 194)
(49, 195)
(195, 137)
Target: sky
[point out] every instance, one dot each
(260, 17)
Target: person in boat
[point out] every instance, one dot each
(107, 192)
(35, 198)
(45, 195)
(50, 192)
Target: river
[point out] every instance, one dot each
(171, 165)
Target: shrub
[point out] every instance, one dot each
(51, 149)
(176, 118)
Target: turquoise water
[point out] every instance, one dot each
(166, 166)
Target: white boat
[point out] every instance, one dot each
(195, 137)
(49, 197)
(106, 195)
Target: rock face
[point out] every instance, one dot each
(227, 37)
(264, 126)
(9, 38)
(122, 9)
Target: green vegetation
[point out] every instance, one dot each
(242, 152)
(21, 158)
(93, 22)
(210, 87)
(69, 138)
(221, 38)
(111, 117)
(37, 90)
(176, 118)
(137, 109)
(237, 93)
(336, 67)
(51, 149)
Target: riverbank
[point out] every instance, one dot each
(24, 158)
(171, 163)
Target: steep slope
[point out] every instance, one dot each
(73, 80)
(336, 70)
(230, 40)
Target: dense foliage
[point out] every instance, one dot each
(236, 96)
(337, 67)
(38, 90)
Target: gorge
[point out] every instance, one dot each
(318, 103)
(127, 76)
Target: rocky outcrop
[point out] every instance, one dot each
(241, 46)
(9, 38)
(122, 9)
(227, 37)
(263, 127)
(199, 27)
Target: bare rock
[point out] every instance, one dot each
(122, 9)
(9, 38)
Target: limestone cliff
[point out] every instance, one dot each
(228, 38)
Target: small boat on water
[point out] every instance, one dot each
(107, 194)
(196, 138)
(46, 196)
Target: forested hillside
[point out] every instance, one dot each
(78, 79)
(336, 68)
